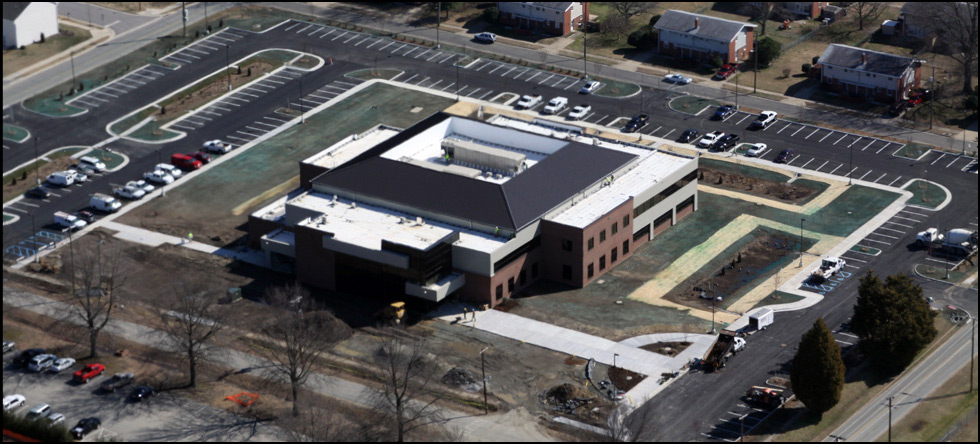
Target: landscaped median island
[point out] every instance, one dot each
(912, 151)
(926, 194)
(20, 180)
(15, 133)
(369, 74)
(691, 105)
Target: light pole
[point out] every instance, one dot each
(206, 17)
(73, 70)
(755, 60)
(736, 86)
(615, 355)
(37, 169)
(228, 65)
(585, 50)
(33, 234)
(801, 240)
(183, 13)
(438, 19)
(483, 368)
(850, 180)
(890, 418)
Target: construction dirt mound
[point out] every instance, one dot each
(463, 379)
(566, 392)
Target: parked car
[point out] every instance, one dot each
(689, 135)
(141, 184)
(85, 215)
(69, 221)
(726, 143)
(158, 176)
(709, 139)
(141, 393)
(528, 101)
(723, 112)
(88, 372)
(41, 363)
(8, 346)
(726, 71)
(62, 178)
(129, 192)
(185, 162)
(13, 401)
(61, 364)
(205, 158)
(916, 99)
(83, 169)
(105, 203)
(38, 192)
(555, 105)
(757, 150)
(170, 169)
(93, 163)
(55, 419)
(638, 121)
(784, 156)
(217, 146)
(590, 87)
(39, 411)
(85, 426)
(486, 37)
(117, 381)
(579, 112)
(765, 119)
(25, 356)
(677, 78)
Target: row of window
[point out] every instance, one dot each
(512, 285)
(613, 257)
(663, 195)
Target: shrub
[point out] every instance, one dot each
(716, 62)
(815, 60)
(221, 23)
(806, 68)
(491, 14)
(42, 37)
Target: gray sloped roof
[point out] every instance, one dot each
(12, 10)
(512, 205)
(872, 61)
(708, 27)
(553, 5)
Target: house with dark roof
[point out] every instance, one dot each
(809, 10)
(25, 23)
(858, 72)
(481, 210)
(703, 37)
(558, 18)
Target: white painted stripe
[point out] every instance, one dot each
(896, 180)
(352, 38)
(882, 177)
(794, 132)
(743, 119)
(807, 163)
(339, 36)
(883, 235)
(821, 166)
(865, 174)
(883, 148)
(275, 119)
(913, 212)
(896, 223)
(891, 229)
(547, 79)
(410, 51)
(238, 138)
(375, 43)
(906, 218)
(814, 132)
(854, 259)
(535, 75)
(385, 46)
(824, 137)
(437, 54)
(266, 124)
(484, 95)
(841, 138)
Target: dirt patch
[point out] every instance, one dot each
(758, 187)
(27, 180)
(666, 348)
(566, 392)
(723, 277)
(624, 379)
(216, 86)
(572, 360)
(507, 305)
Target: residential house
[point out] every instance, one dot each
(810, 10)
(859, 72)
(27, 22)
(702, 37)
(557, 18)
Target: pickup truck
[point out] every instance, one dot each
(529, 101)
(117, 381)
(129, 192)
(828, 267)
(88, 372)
(555, 105)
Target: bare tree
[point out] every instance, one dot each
(765, 11)
(299, 336)
(192, 317)
(629, 9)
(97, 275)
(406, 393)
(956, 25)
(322, 422)
(868, 12)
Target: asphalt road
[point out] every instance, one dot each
(819, 149)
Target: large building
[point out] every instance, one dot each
(476, 209)
(557, 18)
(859, 72)
(26, 22)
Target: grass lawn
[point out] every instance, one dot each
(912, 151)
(15, 59)
(15, 133)
(951, 408)
(865, 250)
(744, 170)
(368, 74)
(925, 194)
(691, 104)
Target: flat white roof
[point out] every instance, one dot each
(351, 147)
(366, 226)
(651, 170)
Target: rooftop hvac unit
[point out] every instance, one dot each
(482, 155)
(500, 176)
(353, 204)
(419, 220)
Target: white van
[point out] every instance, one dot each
(170, 169)
(62, 178)
(92, 163)
(69, 221)
(104, 203)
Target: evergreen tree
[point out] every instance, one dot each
(893, 321)
(818, 370)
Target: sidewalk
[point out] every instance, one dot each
(154, 239)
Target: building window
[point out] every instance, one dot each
(591, 270)
(626, 221)
(602, 262)
(500, 291)
(591, 243)
(566, 245)
(534, 270)
(602, 236)
(615, 255)
(626, 247)
(615, 228)
(510, 285)
(523, 277)
(566, 272)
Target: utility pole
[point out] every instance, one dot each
(932, 106)
(34, 239)
(228, 65)
(483, 367)
(755, 59)
(457, 81)
(206, 17)
(73, 70)
(438, 19)
(890, 418)
(183, 11)
(801, 240)
(585, 49)
(37, 169)
(736, 86)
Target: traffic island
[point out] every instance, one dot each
(926, 194)
(369, 74)
(912, 151)
(691, 105)
(15, 133)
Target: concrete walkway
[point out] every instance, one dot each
(154, 239)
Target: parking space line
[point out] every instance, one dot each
(311, 101)
(865, 174)
(807, 163)
(651, 132)
(385, 46)
(460, 91)
(451, 56)
(248, 94)
(821, 166)
(535, 75)
(913, 212)
(236, 98)
(882, 177)
(872, 142)
(274, 81)
(314, 94)
(448, 86)
(891, 229)
(437, 54)
(423, 80)
(828, 135)
(883, 235)
(471, 93)
(508, 71)
(258, 130)
(570, 85)
(560, 79)
(266, 124)
(954, 161)
(747, 115)
(484, 95)
(223, 109)
(362, 41)
(400, 47)
(603, 118)
(526, 70)
(781, 129)
(547, 79)
(173, 56)
(410, 51)
(937, 159)
(238, 138)
(276, 119)
(794, 132)
(668, 133)
(339, 36)
(195, 116)
(356, 35)
(304, 28)
(422, 53)
(907, 218)
(842, 342)
(835, 169)
(901, 225)
(883, 148)
(875, 241)
(291, 27)
(193, 49)
(313, 32)
(841, 138)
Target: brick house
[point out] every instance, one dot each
(557, 18)
(858, 72)
(701, 37)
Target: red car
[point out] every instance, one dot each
(726, 70)
(916, 99)
(88, 372)
(202, 156)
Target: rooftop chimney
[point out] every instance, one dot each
(864, 58)
(697, 22)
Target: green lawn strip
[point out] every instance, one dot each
(65, 152)
(744, 170)
(925, 194)
(615, 88)
(368, 74)
(273, 162)
(276, 58)
(306, 62)
(691, 105)
(15, 133)
(7, 217)
(504, 98)
(187, 92)
(938, 272)
(912, 151)
(125, 124)
(69, 36)
(776, 298)
(865, 250)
